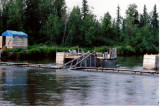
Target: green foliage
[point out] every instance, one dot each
(34, 51)
(125, 50)
(32, 22)
(13, 50)
(107, 30)
(59, 7)
(52, 29)
(74, 35)
(47, 23)
(118, 22)
(102, 49)
(154, 20)
(48, 50)
(21, 54)
(45, 8)
(90, 30)
(85, 9)
(12, 15)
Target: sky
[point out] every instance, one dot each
(100, 7)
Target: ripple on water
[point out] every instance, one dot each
(76, 88)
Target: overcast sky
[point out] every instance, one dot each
(100, 7)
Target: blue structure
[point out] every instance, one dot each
(14, 33)
(13, 39)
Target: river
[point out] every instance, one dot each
(36, 86)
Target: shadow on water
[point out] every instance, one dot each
(34, 60)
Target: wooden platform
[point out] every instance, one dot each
(62, 56)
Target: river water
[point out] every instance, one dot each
(36, 86)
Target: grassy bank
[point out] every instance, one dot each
(39, 51)
(36, 51)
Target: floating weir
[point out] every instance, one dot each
(86, 61)
(109, 70)
(99, 59)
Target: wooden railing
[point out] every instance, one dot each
(73, 63)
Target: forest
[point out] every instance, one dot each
(48, 22)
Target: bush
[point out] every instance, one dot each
(13, 50)
(126, 50)
(34, 52)
(21, 54)
(102, 49)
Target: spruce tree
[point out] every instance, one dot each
(74, 35)
(144, 18)
(118, 22)
(59, 8)
(154, 20)
(107, 30)
(131, 20)
(1, 22)
(145, 15)
(141, 21)
(118, 17)
(85, 8)
(123, 26)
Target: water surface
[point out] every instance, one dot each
(32, 86)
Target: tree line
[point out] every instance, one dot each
(47, 21)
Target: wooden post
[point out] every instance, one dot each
(0, 54)
(95, 60)
(78, 49)
(90, 61)
(81, 64)
(86, 62)
(77, 61)
(71, 64)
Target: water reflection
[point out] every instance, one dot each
(43, 88)
(32, 86)
(132, 62)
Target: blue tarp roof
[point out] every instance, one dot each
(14, 33)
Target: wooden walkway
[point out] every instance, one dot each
(116, 70)
(109, 70)
(30, 65)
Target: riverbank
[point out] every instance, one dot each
(45, 51)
